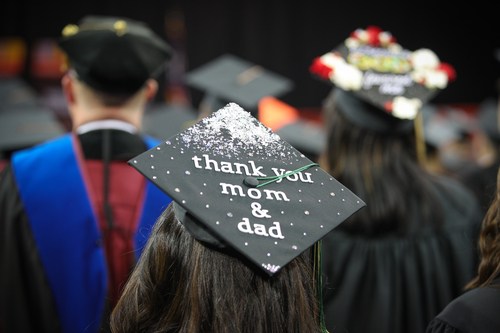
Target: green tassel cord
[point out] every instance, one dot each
(319, 284)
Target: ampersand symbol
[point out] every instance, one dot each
(258, 212)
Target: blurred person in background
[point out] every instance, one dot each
(476, 310)
(71, 228)
(393, 266)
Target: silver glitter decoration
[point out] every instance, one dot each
(271, 268)
(233, 132)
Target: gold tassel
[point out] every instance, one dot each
(420, 139)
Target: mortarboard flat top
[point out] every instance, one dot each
(373, 67)
(488, 118)
(232, 79)
(224, 171)
(443, 125)
(21, 128)
(306, 136)
(163, 121)
(16, 92)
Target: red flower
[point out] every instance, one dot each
(448, 69)
(319, 68)
(373, 33)
(388, 106)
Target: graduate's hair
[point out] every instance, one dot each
(383, 169)
(180, 285)
(489, 244)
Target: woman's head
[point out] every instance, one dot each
(181, 285)
(233, 251)
(376, 157)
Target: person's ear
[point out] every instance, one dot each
(68, 88)
(151, 89)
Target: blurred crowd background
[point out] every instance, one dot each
(281, 36)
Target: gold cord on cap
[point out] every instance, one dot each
(420, 139)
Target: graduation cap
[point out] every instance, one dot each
(488, 118)
(238, 186)
(381, 84)
(114, 54)
(443, 125)
(25, 127)
(164, 120)
(229, 78)
(16, 92)
(305, 135)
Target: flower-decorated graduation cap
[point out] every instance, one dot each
(375, 73)
(114, 54)
(237, 185)
(230, 78)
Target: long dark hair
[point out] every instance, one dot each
(382, 169)
(182, 286)
(489, 244)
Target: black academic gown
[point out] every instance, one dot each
(397, 284)
(476, 311)
(26, 300)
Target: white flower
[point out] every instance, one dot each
(362, 35)
(431, 78)
(385, 37)
(405, 108)
(347, 76)
(395, 48)
(436, 79)
(352, 43)
(424, 59)
(344, 75)
(331, 59)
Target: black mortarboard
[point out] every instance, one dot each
(16, 92)
(443, 125)
(229, 78)
(307, 136)
(370, 66)
(164, 120)
(27, 126)
(222, 172)
(488, 118)
(114, 54)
